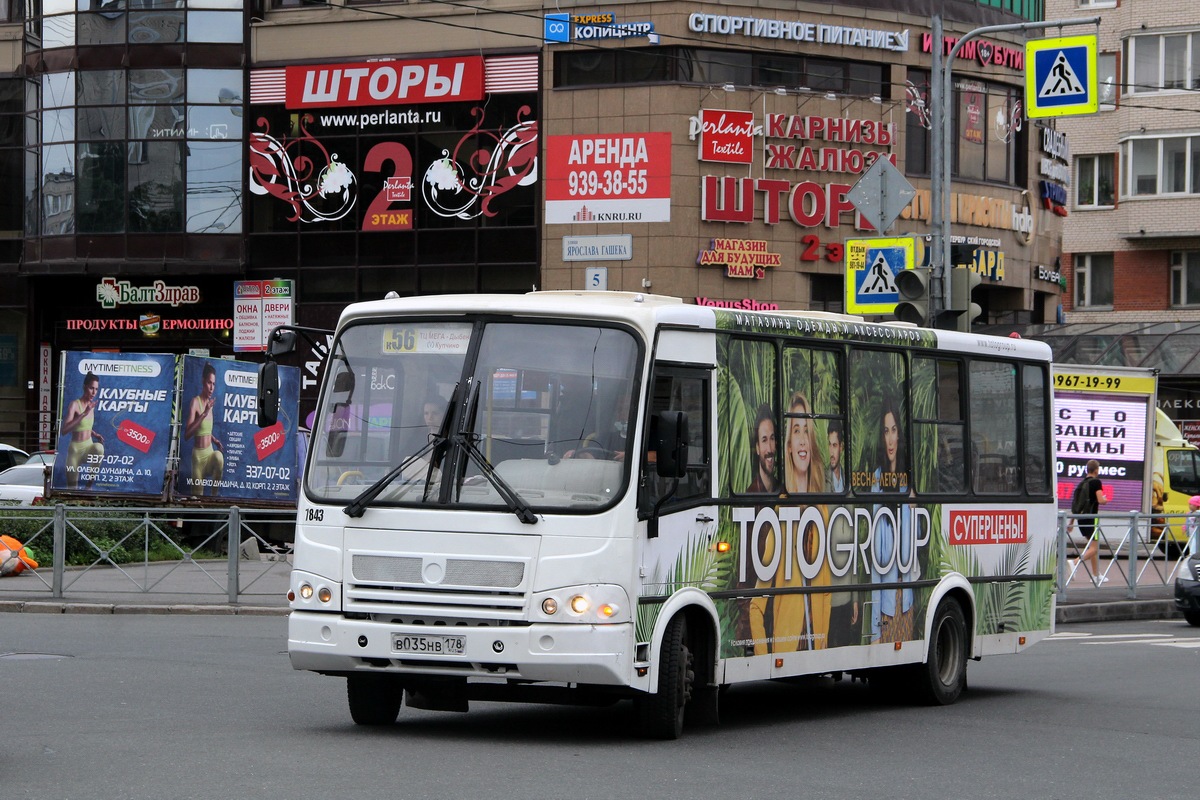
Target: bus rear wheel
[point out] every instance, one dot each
(374, 699)
(660, 715)
(943, 676)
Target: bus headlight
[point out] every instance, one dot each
(594, 603)
(314, 592)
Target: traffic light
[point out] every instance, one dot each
(962, 282)
(913, 288)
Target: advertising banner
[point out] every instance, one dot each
(258, 308)
(390, 147)
(114, 423)
(382, 83)
(617, 177)
(1104, 417)
(222, 451)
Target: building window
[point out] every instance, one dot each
(827, 293)
(1095, 181)
(1185, 278)
(1094, 280)
(145, 150)
(1163, 63)
(594, 67)
(987, 129)
(1165, 165)
(1109, 81)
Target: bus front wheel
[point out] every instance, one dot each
(943, 676)
(660, 715)
(374, 699)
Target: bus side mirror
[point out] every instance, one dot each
(280, 342)
(670, 440)
(268, 394)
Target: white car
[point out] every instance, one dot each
(11, 456)
(23, 485)
(41, 457)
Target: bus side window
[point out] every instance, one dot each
(938, 416)
(992, 401)
(687, 390)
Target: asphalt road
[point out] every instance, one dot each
(158, 707)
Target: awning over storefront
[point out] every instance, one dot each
(1172, 348)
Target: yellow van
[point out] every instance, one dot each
(1176, 479)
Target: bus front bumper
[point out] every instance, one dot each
(590, 654)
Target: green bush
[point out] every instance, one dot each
(121, 537)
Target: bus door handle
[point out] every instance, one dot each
(704, 519)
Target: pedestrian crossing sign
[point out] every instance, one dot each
(1060, 77)
(871, 269)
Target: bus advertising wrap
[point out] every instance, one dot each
(222, 451)
(878, 440)
(114, 423)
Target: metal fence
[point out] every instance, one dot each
(241, 555)
(234, 555)
(1133, 550)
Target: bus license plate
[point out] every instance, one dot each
(429, 644)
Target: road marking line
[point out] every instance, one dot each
(1095, 636)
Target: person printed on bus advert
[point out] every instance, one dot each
(845, 627)
(797, 621)
(85, 441)
(837, 474)
(1092, 490)
(763, 444)
(892, 609)
(208, 462)
(803, 473)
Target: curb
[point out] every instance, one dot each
(61, 607)
(1117, 611)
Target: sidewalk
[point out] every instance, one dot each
(200, 588)
(1109, 603)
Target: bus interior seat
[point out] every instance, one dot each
(582, 475)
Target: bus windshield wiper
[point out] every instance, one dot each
(437, 442)
(512, 498)
(359, 504)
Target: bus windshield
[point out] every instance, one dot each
(480, 413)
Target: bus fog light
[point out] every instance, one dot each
(549, 606)
(306, 591)
(579, 604)
(324, 595)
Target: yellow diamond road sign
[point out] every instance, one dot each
(1060, 77)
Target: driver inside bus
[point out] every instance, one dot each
(609, 439)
